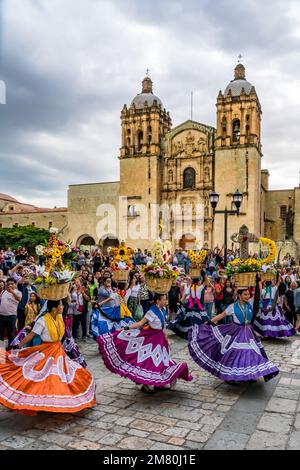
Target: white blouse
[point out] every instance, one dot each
(41, 329)
(153, 320)
(230, 311)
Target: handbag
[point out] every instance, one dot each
(139, 312)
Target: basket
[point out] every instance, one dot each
(194, 271)
(54, 292)
(159, 285)
(121, 275)
(244, 279)
(268, 276)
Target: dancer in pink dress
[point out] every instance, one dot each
(141, 351)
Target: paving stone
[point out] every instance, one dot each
(109, 418)
(239, 422)
(148, 426)
(189, 425)
(164, 420)
(281, 405)
(111, 439)
(176, 432)
(226, 440)
(6, 433)
(176, 441)
(274, 422)
(90, 434)
(198, 436)
(18, 441)
(295, 382)
(294, 441)
(287, 392)
(56, 438)
(285, 381)
(133, 443)
(38, 445)
(84, 445)
(262, 440)
(158, 437)
(162, 446)
(223, 408)
(106, 426)
(192, 445)
(214, 420)
(124, 421)
(297, 422)
(138, 433)
(55, 447)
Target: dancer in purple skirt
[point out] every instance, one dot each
(232, 352)
(270, 321)
(141, 352)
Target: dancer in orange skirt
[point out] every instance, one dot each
(44, 378)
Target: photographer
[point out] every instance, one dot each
(8, 310)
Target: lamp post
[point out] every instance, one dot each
(237, 199)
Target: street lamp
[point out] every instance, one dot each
(237, 199)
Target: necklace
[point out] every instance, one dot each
(242, 307)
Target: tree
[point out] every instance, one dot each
(27, 236)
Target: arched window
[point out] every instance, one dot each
(189, 178)
(131, 212)
(236, 130)
(205, 236)
(128, 138)
(170, 176)
(139, 140)
(149, 135)
(224, 127)
(206, 212)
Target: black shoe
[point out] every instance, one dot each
(147, 389)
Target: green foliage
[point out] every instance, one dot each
(27, 236)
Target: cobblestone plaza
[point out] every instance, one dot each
(203, 414)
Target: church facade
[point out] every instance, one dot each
(167, 174)
(164, 170)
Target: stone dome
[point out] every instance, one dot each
(146, 95)
(140, 99)
(239, 82)
(236, 87)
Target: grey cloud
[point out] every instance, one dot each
(70, 66)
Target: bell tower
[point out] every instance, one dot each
(238, 154)
(143, 124)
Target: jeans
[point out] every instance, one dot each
(208, 308)
(8, 323)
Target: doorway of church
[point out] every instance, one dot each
(188, 241)
(109, 241)
(86, 242)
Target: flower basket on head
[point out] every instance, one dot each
(53, 280)
(121, 275)
(195, 271)
(159, 275)
(54, 292)
(159, 285)
(268, 276)
(244, 279)
(121, 264)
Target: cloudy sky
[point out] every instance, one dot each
(70, 65)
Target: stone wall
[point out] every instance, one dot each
(83, 203)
